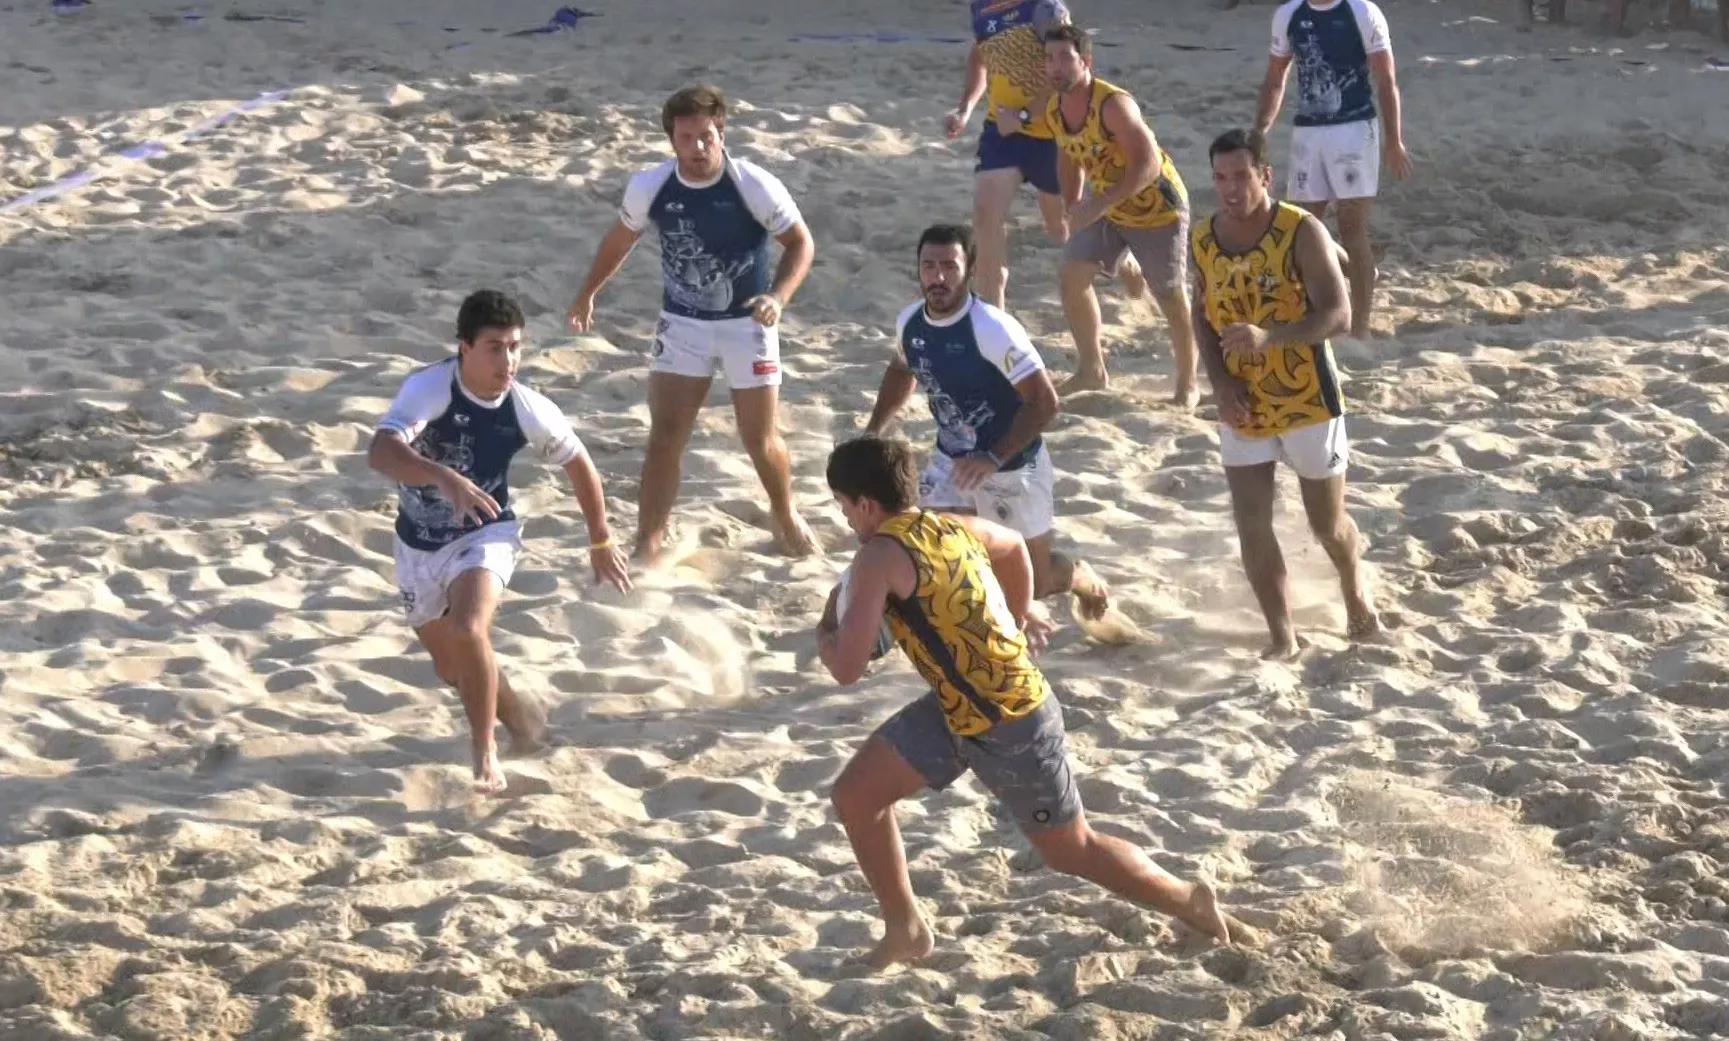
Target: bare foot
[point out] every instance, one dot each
(1361, 621)
(1092, 596)
(488, 773)
(1285, 648)
(529, 734)
(903, 945)
(649, 548)
(794, 537)
(1203, 914)
(1084, 381)
(1186, 398)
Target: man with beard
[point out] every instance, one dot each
(1139, 205)
(1269, 291)
(992, 401)
(715, 215)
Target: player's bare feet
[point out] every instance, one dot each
(1084, 381)
(650, 547)
(488, 772)
(908, 943)
(1186, 398)
(794, 537)
(1361, 621)
(1203, 914)
(1285, 647)
(1092, 596)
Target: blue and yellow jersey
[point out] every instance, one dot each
(957, 629)
(1291, 386)
(1010, 35)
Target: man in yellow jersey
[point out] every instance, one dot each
(956, 592)
(1269, 291)
(1006, 66)
(1138, 205)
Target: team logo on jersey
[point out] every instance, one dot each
(460, 419)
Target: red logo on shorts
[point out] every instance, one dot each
(764, 367)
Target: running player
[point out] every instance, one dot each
(1341, 48)
(447, 441)
(1139, 205)
(992, 401)
(1006, 66)
(956, 592)
(715, 214)
(1268, 294)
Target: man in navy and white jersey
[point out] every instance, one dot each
(1344, 58)
(447, 441)
(992, 401)
(715, 214)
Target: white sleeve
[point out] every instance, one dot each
(1373, 25)
(545, 428)
(901, 321)
(1282, 28)
(1004, 341)
(425, 395)
(639, 196)
(769, 201)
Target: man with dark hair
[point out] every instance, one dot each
(447, 441)
(1138, 205)
(956, 592)
(992, 400)
(1006, 67)
(1344, 58)
(1268, 293)
(715, 214)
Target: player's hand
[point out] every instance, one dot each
(765, 308)
(1398, 160)
(1233, 398)
(611, 567)
(1242, 339)
(581, 314)
(1009, 120)
(1080, 214)
(466, 499)
(971, 472)
(1037, 627)
(956, 121)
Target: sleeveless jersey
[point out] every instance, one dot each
(1101, 158)
(1290, 386)
(1009, 34)
(956, 627)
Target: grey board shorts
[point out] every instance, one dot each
(1162, 252)
(1023, 762)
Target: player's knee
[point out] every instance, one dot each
(1077, 274)
(852, 800)
(1334, 533)
(1066, 850)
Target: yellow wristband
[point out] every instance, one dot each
(603, 544)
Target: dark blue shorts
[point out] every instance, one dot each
(1035, 158)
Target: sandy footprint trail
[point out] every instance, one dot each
(232, 808)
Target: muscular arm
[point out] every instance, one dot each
(1387, 90)
(1329, 295)
(1039, 406)
(1010, 561)
(608, 258)
(585, 481)
(897, 387)
(391, 456)
(1069, 179)
(1272, 92)
(974, 86)
(798, 250)
(880, 567)
(1122, 118)
(1206, 337)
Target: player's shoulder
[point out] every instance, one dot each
(652, 178)
(1367, 9)
(434, 375)
(1282, 13)
(906, 315)
(533, 400)
(748, 170)
(989, 317)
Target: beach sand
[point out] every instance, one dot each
(234, 799)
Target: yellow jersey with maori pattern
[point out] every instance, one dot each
(1290, 386)
(956, 627)
(1010, 37)
(1100, 156)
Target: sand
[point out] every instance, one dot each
(234, 799)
